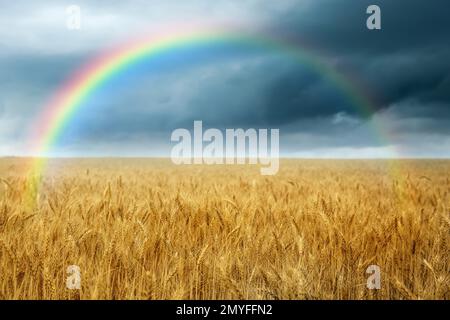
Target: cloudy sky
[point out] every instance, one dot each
(403, 69)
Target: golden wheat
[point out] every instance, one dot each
(146, 229)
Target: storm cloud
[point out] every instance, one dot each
(403, 70)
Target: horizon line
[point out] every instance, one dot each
(281, 157)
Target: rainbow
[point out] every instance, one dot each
(83, 84)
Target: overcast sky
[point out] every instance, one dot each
(404, 69)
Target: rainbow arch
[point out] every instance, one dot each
(82, 85)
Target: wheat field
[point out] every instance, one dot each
(147, 229)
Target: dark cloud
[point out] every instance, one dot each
(404, 63)
(340, 26)
(403, 69)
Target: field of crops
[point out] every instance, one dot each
(147, 229)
